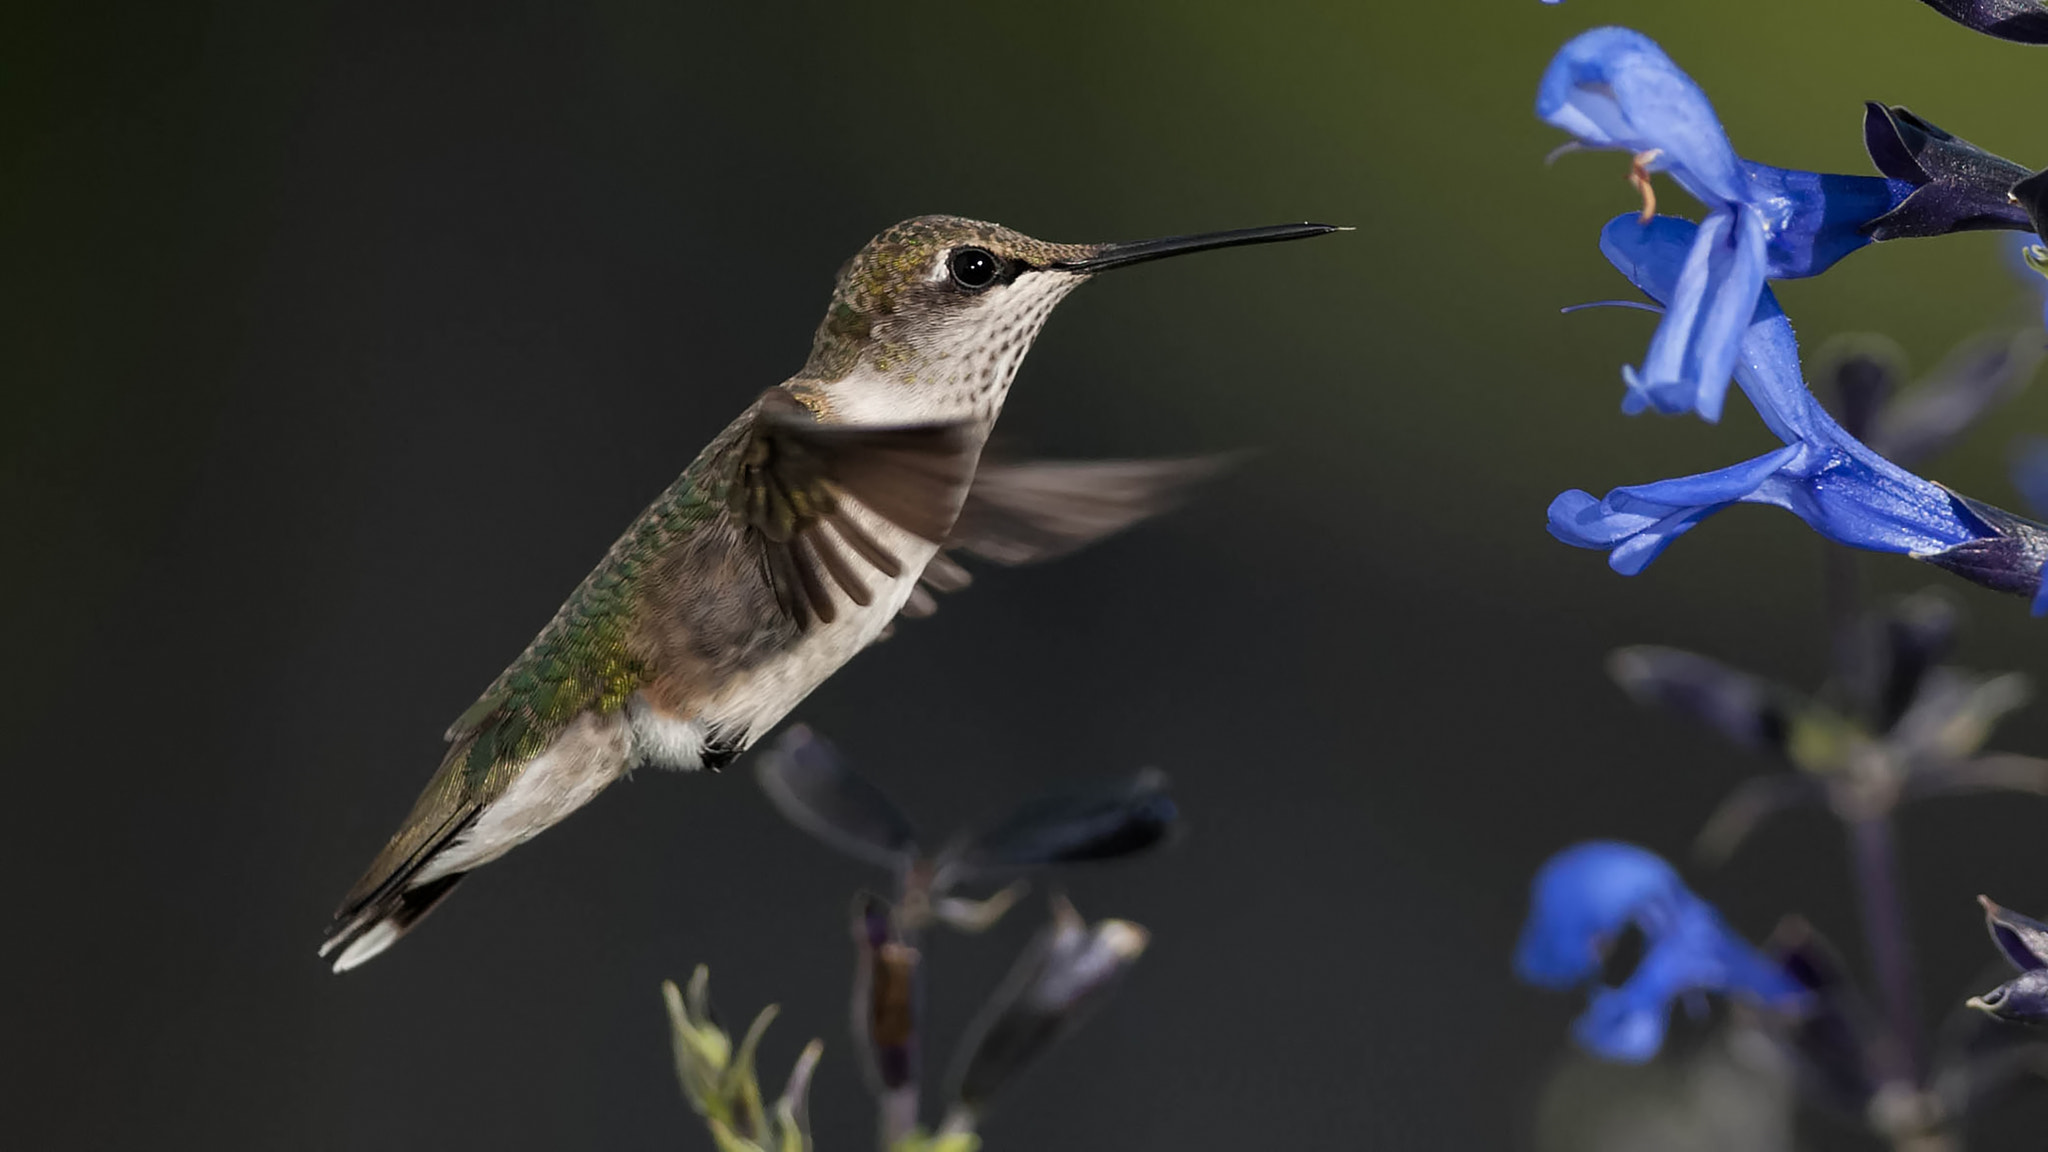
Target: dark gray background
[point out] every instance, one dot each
(339, 341)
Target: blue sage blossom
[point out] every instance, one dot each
(1823, 475)
(1614, 88)
(1582, 900)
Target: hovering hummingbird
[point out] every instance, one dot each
(789, 544)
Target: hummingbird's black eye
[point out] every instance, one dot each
(974, 268)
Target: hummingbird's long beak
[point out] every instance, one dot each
(1107, 256)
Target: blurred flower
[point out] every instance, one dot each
(1916, 729)
(1585, 896)
(1748, 710)
(2024, 942)
(1841, 1043)
(1957, 186)
(2021, 21)
(1093, 822)
(1842, 489)
(1071, 969)
(1925, 420)
(719, 1082)
(1614, 88)
(809, 783)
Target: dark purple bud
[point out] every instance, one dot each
(1068, 971)
(1098, 822)
(2007, 554)
(2023, 939)
(811, 786)
(1959, 187)
(2022, 999)
(888, 995)
(1749, 710)
(2024, 942)
(1838, 1036)
(2021, 21)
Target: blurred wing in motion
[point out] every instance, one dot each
(1036, 510)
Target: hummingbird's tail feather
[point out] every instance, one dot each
(402, 884)
(378, 926)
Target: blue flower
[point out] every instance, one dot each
(1581, 901)
(1615, 88)
(1826, 477)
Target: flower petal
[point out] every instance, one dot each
(1699, 954)
(1651, 256)
(1692, 357)
(1638, 522)
(1585, 894)
(1581, 898)
(1623, 1025)
(1813, 219)
(1615, 88)
(1858, 499)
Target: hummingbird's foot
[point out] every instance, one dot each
(1639, 178)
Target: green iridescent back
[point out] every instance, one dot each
(581, 662)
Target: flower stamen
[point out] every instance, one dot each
(1639, 178)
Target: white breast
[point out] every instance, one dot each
(757, 701)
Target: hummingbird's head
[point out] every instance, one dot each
(931, 319)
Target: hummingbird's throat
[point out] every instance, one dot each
(959, 368)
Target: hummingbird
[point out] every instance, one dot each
(793, 541)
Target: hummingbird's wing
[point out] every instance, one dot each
(790, 488)
(1025, 512)
(767, 515)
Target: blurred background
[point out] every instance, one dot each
(340, 341)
